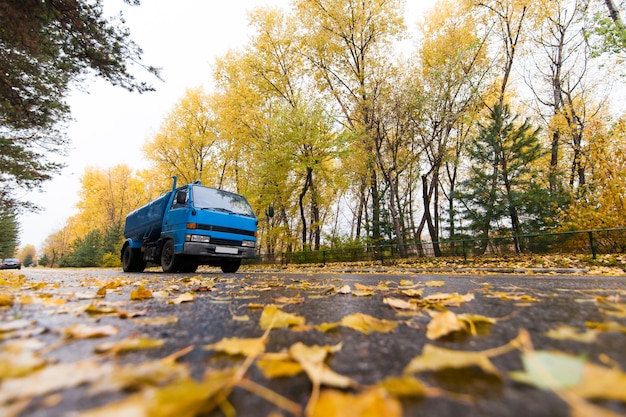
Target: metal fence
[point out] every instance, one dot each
(591, 242)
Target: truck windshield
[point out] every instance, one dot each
(220, 200)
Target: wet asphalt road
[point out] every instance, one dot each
(536, 304)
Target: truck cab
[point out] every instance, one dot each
(190, 226)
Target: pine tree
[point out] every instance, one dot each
(504, 191)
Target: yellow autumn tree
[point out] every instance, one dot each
(188, 144)
(602, 201)
(107, 195)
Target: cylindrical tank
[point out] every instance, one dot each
(145, 222)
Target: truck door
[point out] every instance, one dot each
(175, 220)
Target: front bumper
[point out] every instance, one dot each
(218, 251)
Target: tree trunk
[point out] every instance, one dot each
(427, 216)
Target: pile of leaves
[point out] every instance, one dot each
(175, 345)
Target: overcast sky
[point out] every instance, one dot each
(110, 125)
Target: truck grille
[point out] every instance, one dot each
(226, 242)
(225, 229)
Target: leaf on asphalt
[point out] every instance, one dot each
(135, 377)
(278, 365)
(435, 283)
(189, 398)
(312, 360)
(565, 332)
(14, 325)
(400, 304)
(404, 386)
(16, 361)
(129, 344)
(367, 324)
(412, 292)
(93, 309)
(511, 296)
(6, 300)
(156, 321)
(440, 300)
(275, 318)
(186, 398)
(444, 323)
(345, 289)
(360, 322)
(140, 293)
(374, 402)
(435, 358)
(183, 298)
(609, 326)
(545, 369)
(84, 331)
(555, 370)
(288, 300)
(52, 378)
(239, 346)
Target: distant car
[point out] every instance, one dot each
(11, 263)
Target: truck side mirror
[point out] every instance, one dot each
(270, 211)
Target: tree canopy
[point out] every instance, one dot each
(495, 125)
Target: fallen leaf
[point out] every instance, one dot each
(312, 360)
(374, 402)
(140, 293)
(344, 289)
(183, 298)
(129, 344)
(239, 346)
(444, 323)
(571, 333)
(278, 365)
(435, 283)
(367, 324)
(273, 317)
(84, 331)
(435, 358)
(156, 321)
(413, 292)
(404, 386)
(360, 322)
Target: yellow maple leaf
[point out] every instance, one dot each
(444, 323)
(129, 344)
(183, 298)
(435, 358)
(374, 402)
(312, 360)
(273, 317)
(84, 331)
(140, 293)
(239, 346)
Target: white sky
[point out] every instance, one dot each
(111, 125)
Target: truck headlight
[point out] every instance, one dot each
(248, 243)
(198, 238)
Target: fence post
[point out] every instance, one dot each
(464, 252)
(594, 251)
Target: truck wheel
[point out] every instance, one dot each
(169, 260)
(231, 266)
(131, 260)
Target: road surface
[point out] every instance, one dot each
(375, 327)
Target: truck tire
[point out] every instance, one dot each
(169, 261)
(230, 266)
(131, 260)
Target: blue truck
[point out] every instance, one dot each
(190, 226)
